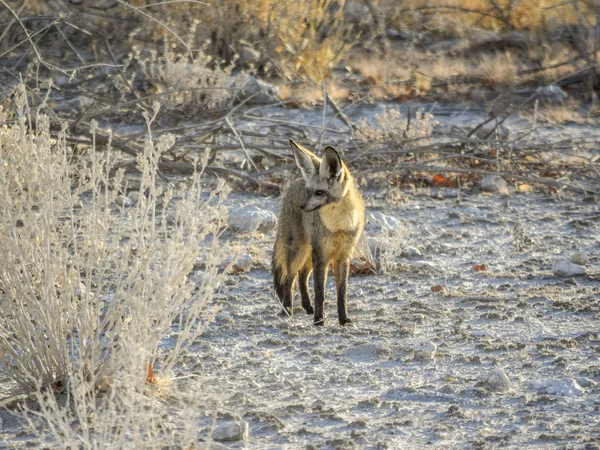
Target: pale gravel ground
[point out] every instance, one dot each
(360, 387)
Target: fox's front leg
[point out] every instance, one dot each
(340, 272)
(319, 280)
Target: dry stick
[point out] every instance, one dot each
(13, 20)
(288, 123)
(73, 49)
(529, 179)
(188, 168)
(240, 140)
(508, 112)
(318, 145)
(342, 116)
(158, 22)
(123, 77)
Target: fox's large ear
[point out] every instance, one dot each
(303, 161)
(331, 165)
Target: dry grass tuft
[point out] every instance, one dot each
(498, 69)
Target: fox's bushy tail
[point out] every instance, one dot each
(279, 269)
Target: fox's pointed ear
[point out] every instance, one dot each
(303, 161)
(331, 165)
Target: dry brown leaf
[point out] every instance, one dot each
(150, 378)
(438, 288)
(479, 268)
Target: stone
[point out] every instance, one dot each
(425, 350)
(564, 268)
(244, 262)
(579, 258)
(232, 431)
(561, 388)
(382, 223)
(494, 183)
(123, 200)
(551, 94)
(251, 218)
(497, 380)
(255, 91)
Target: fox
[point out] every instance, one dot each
(320, 222)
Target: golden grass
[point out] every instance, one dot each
(498, 69)
(533, 15)
(444, 68)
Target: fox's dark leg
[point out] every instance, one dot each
(287, 302)
(303, 283)
(319, 279)
(340, 272)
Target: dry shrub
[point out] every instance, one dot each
(302, 38)
(459, 17)
(195, 82)
(90, 288)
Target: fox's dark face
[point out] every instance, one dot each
(324, 178)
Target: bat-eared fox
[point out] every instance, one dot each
(320, 222)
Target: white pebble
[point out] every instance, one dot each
(425, 350)
(564, 269)
(251, 218)
(232, 431)
(496, 379)
(494, 183)
(244, 262)
(122, 200)
(561, 388)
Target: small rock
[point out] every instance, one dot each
(251, 218)
(561, 388)
(382, 223)
(244, 262)
(232, 431)
(411, 252)
(551, 94)
(134, 196)
(494, 183)
(258, 92)
(497, 380)
(586, 382)
(425, 350)
(579, 258)
(564, 269)
(123, 200)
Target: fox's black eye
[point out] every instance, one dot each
(319, 192)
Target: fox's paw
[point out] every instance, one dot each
(286, 312)
(309, 310)
(345, 321)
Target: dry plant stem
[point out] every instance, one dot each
(529, 179)
(241, 141)
(158, 22)
(352, 126)
(119, 68)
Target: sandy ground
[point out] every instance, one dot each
(364, 386)
(300, 386)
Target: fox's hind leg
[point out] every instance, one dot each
(303, 282)
(287, 299)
